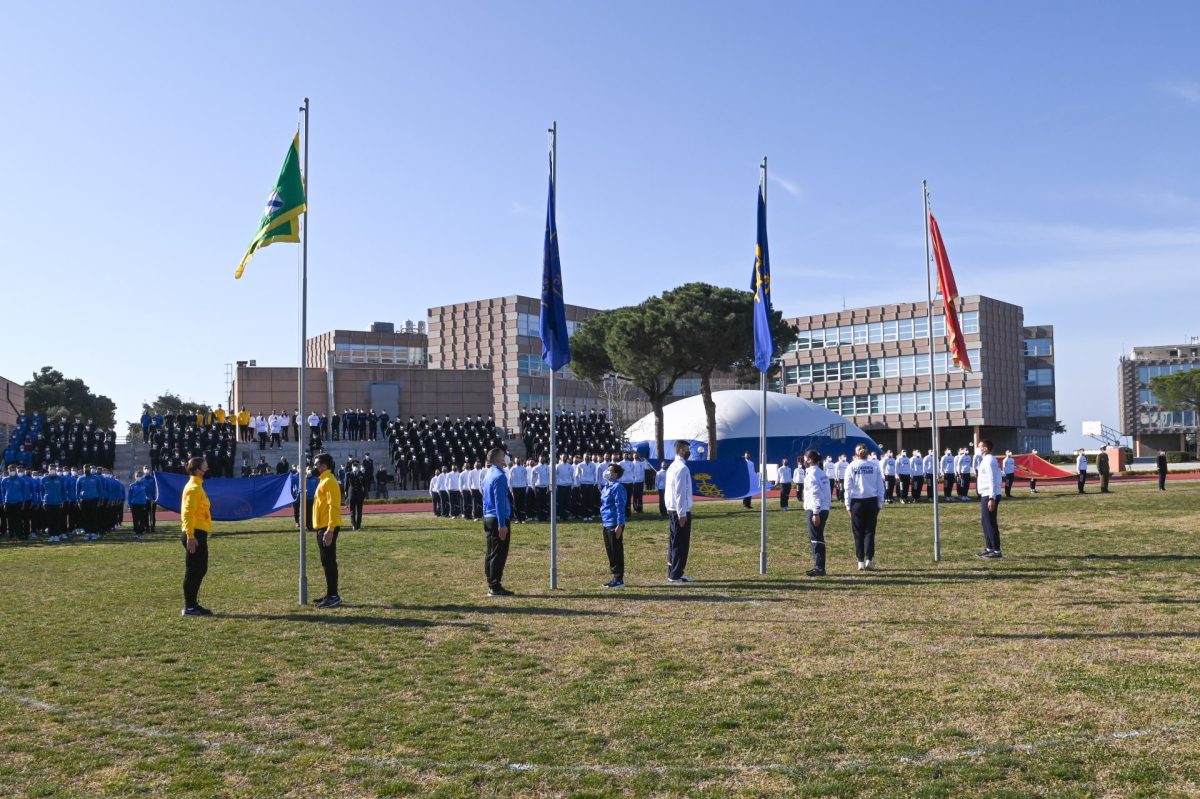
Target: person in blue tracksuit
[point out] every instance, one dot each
(33, 508)
(71, 505)
(497, 516)
(16, 495)
(89, 487)
(151, 498)
(54, 502)
(612, 518)
(139, 507)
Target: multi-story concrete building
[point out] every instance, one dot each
(12, 402)
(1152, 427)
(875, 366)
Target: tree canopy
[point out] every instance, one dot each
(1177, 392)
(52, 394)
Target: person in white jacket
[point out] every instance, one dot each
(989, 485)
(864, 495)
(816, 510)
(679, 514)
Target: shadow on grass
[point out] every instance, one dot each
(339, 618)
(1145, 601)
(1090, 636)
(698, 596)
(1090, 556)
(498, 609)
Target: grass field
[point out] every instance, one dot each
(1070, 668)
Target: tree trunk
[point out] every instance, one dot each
(710, 413)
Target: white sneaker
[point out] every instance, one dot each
(861, 565)
(870, 564)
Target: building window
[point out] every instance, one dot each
(686, 387)
(1039, 408)
(969, 322)
(529, 365)
(1039, 377)
(1038, 347)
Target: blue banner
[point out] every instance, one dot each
(723, 479)
(233, 499)
(556, 349)
(764, 347)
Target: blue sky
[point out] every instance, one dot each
(141, 140)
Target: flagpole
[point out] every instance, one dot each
(553, 417)
(937, 519)
(762, 429)
(301, 471)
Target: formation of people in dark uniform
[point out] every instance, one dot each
(176, 438)
(421, 448)
(575, 433)
(35, 442)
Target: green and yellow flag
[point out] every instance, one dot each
(284, 206)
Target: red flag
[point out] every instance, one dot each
(946, 285)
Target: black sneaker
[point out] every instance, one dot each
(191, 612)
(331, 602)
(815, 573)
(499, 591)
(319, 601)
(984, 554)
(203, 611)
(993, 555)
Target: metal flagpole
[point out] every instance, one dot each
(553, 416)
(937, 518)
(762, 429)
(302, 473)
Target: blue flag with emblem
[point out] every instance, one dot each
(556, 350)
(764, 347)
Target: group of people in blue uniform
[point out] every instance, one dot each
(60, 502)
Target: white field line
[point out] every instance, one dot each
(428, 764)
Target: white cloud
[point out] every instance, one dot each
(785, 184)
(1186, 90)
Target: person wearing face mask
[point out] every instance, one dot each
(327, 519)
(612, 518)
(355, 488)
(139, 508)
(679, 514)
(54, 498)
(497, 517)
(195, 516)
(151, 498)
(88, 487)
(816, 510)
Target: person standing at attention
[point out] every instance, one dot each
(195, 514)
(1081, 468)
(327, 520)
(1103, 468)
(679, 513)
(864, 500)
(612, 517)
(784, 478)
(497, 513)
(1161, 463)
(989, 485)
(816, 510)
(1010, 471)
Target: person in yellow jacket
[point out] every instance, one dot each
(243, 421)
(195, 514)
(219, 414)
(327, 520)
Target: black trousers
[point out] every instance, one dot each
(905, 482)
(497, 551)
(141, 518)
(863, 515)
(662, 503)
(437, 503)
(329, 560)
(195, 566)
(638, 497)
(947, 486)
(14, 518)
(563, 501)
(679, 543)
(1008, 481)
(816, 537)
(542, 503)
(275, 441)
(476, 503)
(1104, 482)
(1162, 481)
(615, 548)
(56, 519)
(356, 509)
(1082, 481)
(262, 440)
(455, 503)
(746, 502)
(889, 491)
(89, 511)
(918, 483)
(991, 528)
(964, 484)
(152, 512)
(785, 492)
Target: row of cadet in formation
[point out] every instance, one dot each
(59, 504)
(35, 442)
(579, 479)
(909, 477)
(272, 428)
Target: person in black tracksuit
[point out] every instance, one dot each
(355, 490)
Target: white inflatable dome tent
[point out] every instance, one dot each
(794, 426)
